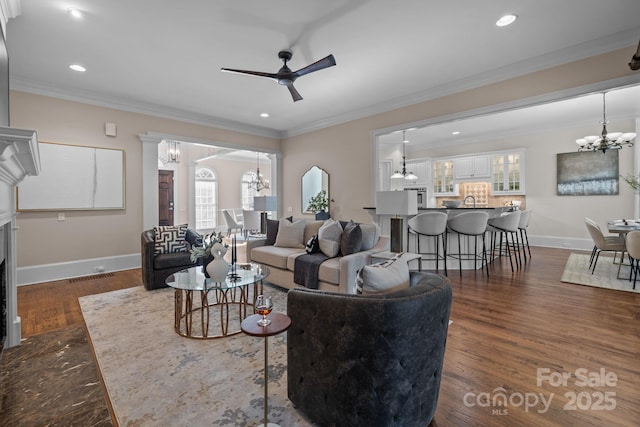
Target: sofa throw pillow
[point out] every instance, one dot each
(290, 234)
(351, 239)
(370, 235)
(170, 239)
(329, 236)
(312, 245)
(389, 276)
(272, 230)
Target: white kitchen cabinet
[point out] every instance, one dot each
(421, 169)
(507, 173)
(473, 167)
(443, 177)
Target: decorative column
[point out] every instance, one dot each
(150, 202)
(19, 158)
(276, 181)
(191, 198)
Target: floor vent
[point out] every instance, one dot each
(93, 277)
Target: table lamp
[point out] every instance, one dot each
(399, 204)
(264, 204)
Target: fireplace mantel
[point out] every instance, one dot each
(19, 158)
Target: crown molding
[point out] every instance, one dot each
(86, 97)
(8, 9)
(19, 155)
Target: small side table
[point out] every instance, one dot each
(408, 256)
(279, 323)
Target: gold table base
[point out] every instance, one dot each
(186, 313)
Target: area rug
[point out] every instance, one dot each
(577, 271)
(153, 376)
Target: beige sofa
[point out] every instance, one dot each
(335, 274)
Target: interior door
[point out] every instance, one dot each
(165, 197)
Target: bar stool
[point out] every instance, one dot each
(505, 225)
(470, 224)
(432, 224)
(525, 216)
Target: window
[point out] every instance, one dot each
(247, 192)
(206, 200)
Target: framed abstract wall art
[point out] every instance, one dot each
(587, 173)
(75, 177)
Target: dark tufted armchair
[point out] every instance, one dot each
(368, 360)
(156, 268)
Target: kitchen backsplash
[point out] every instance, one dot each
(482, 193)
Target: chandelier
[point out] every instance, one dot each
(258, 182)
(607, 140)
(409, 176)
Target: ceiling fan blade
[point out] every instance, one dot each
(294, 93)
(253, 73)
(327, 62)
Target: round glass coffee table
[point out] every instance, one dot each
(199, 301)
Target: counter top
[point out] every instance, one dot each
(455, 209)
(445, 209)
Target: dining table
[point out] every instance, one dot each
(623, 226)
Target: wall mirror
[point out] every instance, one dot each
(314, 181)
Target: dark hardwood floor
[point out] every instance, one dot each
(556, 354)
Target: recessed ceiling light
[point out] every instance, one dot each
(76, 67)
(264, 115)
(507, 19)
(455, 132)
(74, 12)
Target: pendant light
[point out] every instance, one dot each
(173, 151)
(409, 176)
(606, 140)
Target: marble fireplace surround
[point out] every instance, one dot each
(19, 158)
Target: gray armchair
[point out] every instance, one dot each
(368, 360)
(156, 268)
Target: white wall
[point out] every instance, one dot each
(346, 150)
(558, 220)
(50, 249)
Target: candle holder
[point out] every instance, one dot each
(233, 274)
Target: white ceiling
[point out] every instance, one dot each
(164, 57)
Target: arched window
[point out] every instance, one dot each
(247, 192)
(206, 200)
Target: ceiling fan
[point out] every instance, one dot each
(285, 76)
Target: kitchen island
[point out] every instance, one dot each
(427, 244)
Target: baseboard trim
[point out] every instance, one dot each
(68, 270)
(86, 267)
(561, 242)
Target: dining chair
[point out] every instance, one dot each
(229, 219)
(632, 243)
(250, 221)
(604, 243)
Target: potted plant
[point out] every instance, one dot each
(633, 181)
(320, 204)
